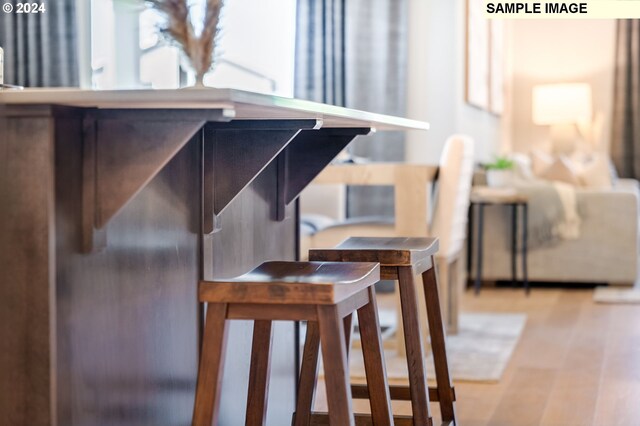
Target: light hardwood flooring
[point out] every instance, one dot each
(577, 363)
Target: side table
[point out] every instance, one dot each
(482, 196)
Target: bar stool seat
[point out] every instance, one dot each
(389, 252)
(325, 294)
(292, 283)
(401, 259)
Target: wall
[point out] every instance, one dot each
(550, 51)
(436, 83)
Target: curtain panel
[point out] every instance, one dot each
(320, 51)
(353, 53)
(625, 146)
(40, 49)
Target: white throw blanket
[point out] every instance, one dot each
(569, 228)
(553, 211)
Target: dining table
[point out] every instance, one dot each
(113, 205)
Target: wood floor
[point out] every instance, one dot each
(577, 363)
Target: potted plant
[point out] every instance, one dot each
(500, 172)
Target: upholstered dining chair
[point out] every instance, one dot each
(447, 221)
(450, 219)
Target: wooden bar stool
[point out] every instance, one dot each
(401, 259)
(324, 293)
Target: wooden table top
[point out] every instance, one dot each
(488, 195)
(236, 104)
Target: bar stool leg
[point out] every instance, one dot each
(336, 370)
(413, 343)
(373, 355)
(214, 345)
(308, 375)
(259, 373)
(348, 332)
(438, 345)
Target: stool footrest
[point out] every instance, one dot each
(397, 393)
(322, 419)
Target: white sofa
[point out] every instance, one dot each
(605, 252)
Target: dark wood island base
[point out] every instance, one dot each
(112, 206)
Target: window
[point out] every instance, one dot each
(256, 49)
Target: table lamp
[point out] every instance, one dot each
(563, 107)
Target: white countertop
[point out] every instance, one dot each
(237, 103)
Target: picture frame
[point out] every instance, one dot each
(484, 54)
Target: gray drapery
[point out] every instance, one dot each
(625, 147)
(353, 53)
(40, 49)
(320, 51)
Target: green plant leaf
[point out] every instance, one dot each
(500, 163)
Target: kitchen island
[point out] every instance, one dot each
(113, 204)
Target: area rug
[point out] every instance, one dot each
(616, 295)
(480, 352)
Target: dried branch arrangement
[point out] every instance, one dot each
(199, 49)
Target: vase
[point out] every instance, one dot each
(499, 178)
(199, 84)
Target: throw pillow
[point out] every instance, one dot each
(522, 166)
(540, 162)
(596, 173)
(561, 171)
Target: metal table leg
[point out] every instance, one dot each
(525, 225)
(479, 248)
(469, 243)
(514, 243)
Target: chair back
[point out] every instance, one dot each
(452, 197)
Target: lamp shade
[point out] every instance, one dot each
(561, 103)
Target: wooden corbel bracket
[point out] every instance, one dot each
(235, 153)
(123, 150)
(305, 157)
